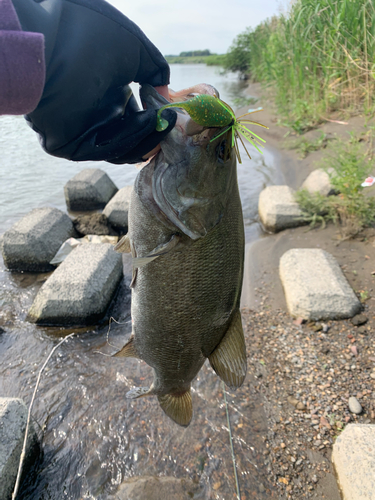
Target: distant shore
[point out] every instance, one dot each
(211, 60)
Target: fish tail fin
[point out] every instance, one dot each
(128, 351)
(229, 358)
(178, 408)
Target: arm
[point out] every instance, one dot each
(22, 68)
(87, 111)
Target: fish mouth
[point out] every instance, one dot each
(151, 99)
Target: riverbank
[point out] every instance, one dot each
(307, 372)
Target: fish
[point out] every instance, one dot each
(186, 237)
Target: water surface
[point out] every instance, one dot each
(93, 438)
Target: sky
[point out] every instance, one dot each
(175, 26)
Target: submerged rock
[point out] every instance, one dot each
(13, 418)
(31, 243)
(88, 190)
(157, 488)
(80, 290)
(315, 287)
(278, 209)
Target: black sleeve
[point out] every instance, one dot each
(92, 53)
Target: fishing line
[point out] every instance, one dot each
(231, 444)
(23, 453)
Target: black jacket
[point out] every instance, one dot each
(87, 110)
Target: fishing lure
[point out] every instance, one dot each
(210, 111)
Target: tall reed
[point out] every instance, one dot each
(318, 58)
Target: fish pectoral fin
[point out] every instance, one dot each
(178, 408)
(128, 351)
(157, 252)
(229, 358)
(139, 392)
(123, 246)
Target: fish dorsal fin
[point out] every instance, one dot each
(128, 351)
(178, 408)
(139, 392)
(229, 358)
(123, 246)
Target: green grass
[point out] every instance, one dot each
(347, 165)
(318, 58)
(211, 60)
(304, 146)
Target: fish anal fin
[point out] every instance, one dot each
(128, 351)
(178, 407)
(123, 246)
(139, 392)
(229, 358)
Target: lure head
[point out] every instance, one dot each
(205, 110)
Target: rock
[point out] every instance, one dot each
(80, 290)
(318, 181)
(315, 287)
(117, 209)
(300, 406)
(359, 319)
(278, 208)
(31, 243)
(89, 189)
(293, 401)
(93, 224)
(13, 417)
(157, 488)
(355, 405)
(354, 460)
(317, 327)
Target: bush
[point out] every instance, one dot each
(347, 167)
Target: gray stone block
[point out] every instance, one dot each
(13, 418)
(278, 209)
(89, 190)
(315, 287)
(318, 182)
(31, 243)
(354, 460)
(80, 290)
(117, 208)
(157, 488)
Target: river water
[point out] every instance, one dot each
(93, 439)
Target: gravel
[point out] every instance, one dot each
(313, 384)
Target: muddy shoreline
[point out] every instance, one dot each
(318, 366)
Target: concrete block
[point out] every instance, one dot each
(13, 418)
(318, 181)
(315, 287)
(157, 488)
(31, 243)
(89, 190)
(80, 290)
(117, 208)
(278, 209)
(354, 460)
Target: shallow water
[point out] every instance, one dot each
(93, 438)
